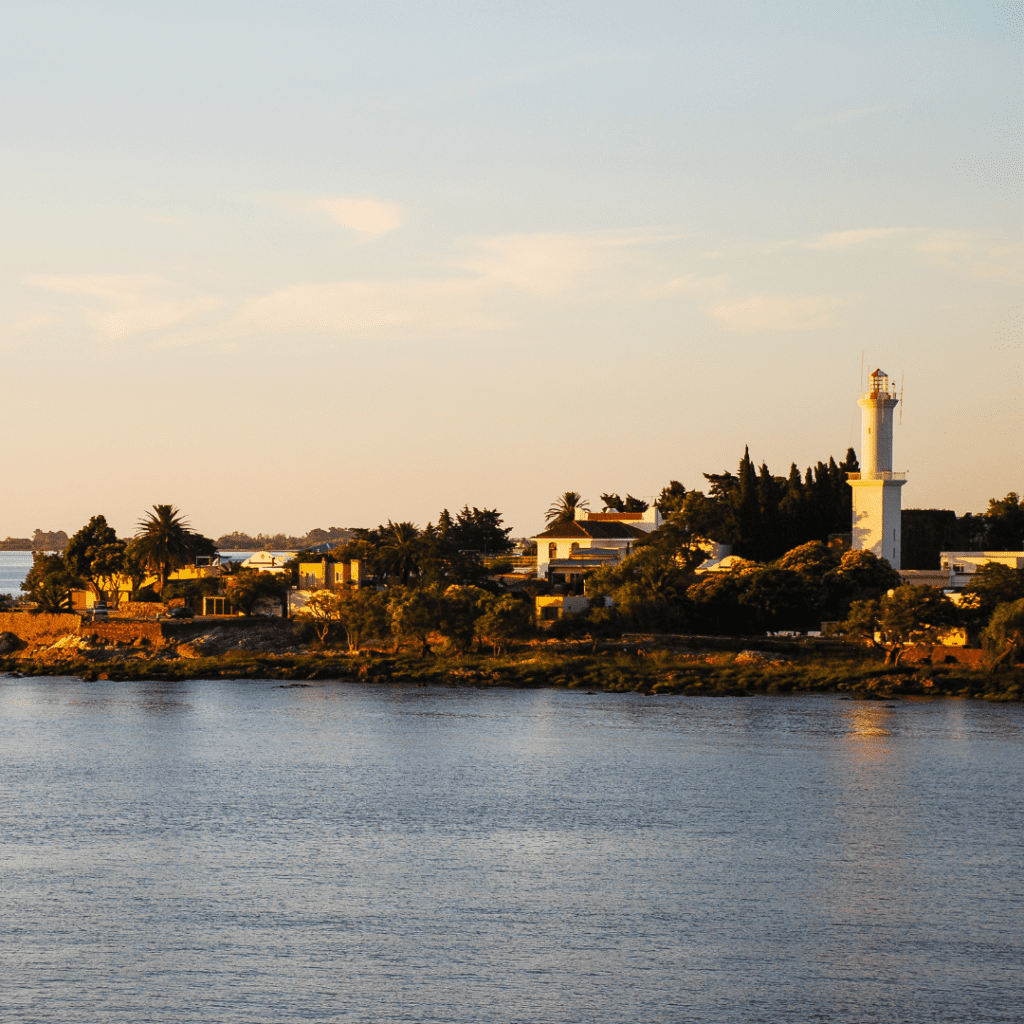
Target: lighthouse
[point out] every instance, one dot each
(876, 488)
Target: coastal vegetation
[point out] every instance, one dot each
(645, 665)
(432, 603)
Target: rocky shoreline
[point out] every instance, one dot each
(267, 649)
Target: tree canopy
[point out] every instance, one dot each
(763, 516)
(563, 510)
(166, 541)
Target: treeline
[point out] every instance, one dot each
(41, 540)
(928, 531)
(459, 614)
(656, 590)
(450, 552)
(762, 515)
(283, 542)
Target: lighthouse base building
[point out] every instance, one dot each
(877, 501)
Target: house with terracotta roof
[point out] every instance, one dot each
(566, 551)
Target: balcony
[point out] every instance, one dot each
(883, 475)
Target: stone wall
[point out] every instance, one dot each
(139, 610)
(125, 632)
(27, 627)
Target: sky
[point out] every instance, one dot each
(308, 264)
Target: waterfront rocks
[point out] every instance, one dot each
(9, 642)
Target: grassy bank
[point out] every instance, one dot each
(649, 672)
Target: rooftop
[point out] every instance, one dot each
(592, 529)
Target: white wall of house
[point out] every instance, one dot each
(567, 547)
(962, 565)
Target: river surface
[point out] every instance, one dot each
(242, 851)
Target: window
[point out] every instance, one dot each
(549, 613)
(574, 548)
(552, 551)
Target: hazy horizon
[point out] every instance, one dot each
(305, 266)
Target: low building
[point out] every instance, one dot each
(958, 568)
(328, 574)
(962, 565)
(553, 607)
(266, 561)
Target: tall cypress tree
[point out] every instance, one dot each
(748, 509)
(772, 539)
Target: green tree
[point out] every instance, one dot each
(901, 619)
(716, 606)
(1004, 635)
(1004, 523)
(398, 552)
(95, 556)
(415, 613)
(813, 560)
(504, 620)
(613, 503)
(134, 566)
(48, 583)
(167, 542)
(191, 592)
(780, 598)
(994, 584)
(323, 609)
(670, 500)
(249, 587)
(564, 508)
(363, 615)
(460, 607)
(861, 575)
(476, 529)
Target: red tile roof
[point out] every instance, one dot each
(592, 529)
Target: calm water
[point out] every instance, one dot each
(14, 567)
(217, 851)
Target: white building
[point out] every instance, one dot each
(567, 551)
(266, 561)
(877, 502)
(960, 566)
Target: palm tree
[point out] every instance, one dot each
(165, 541)
(564, 509)
(399, 549)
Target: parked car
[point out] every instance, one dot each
(180, 613)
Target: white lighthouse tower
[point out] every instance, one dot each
(876, 488)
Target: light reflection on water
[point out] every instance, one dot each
(222, 851)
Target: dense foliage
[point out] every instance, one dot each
(762, 516)
(448, 553)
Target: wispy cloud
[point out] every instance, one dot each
(848, 239)
(546, 263)
(965, 253)
(128, 304)
(691, 285)
(777, 312)
(835, 117)
(369, 308)
(368, 218)
(837, 240)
